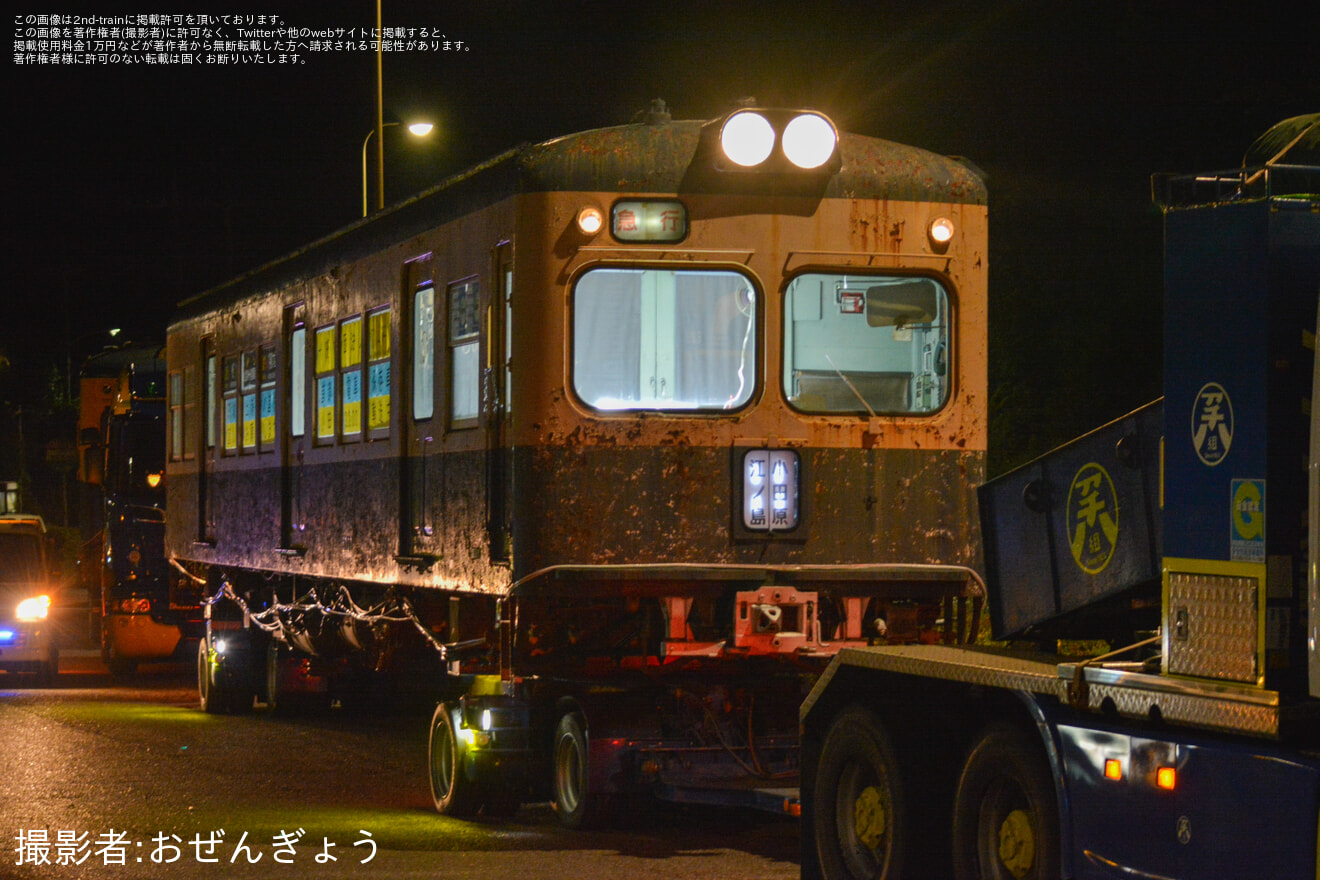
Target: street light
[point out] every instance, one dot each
(417, 129)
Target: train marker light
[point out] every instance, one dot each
(940, 233)
(590, 220)
(747, 138)
(1166, 778)
(1114, 769)
(809, 140)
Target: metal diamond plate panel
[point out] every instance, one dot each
(1212, 626)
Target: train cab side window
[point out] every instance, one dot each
(464, 353)
(866, 344)
(678, 340)
(378, 372)
(350, 373)
(423, 360)
(229, 368)
(325, 383)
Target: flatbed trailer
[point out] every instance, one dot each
(1185, 537)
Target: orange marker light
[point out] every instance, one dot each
(1166, 778)
(1113, 769)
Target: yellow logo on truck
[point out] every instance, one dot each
(1092, 518)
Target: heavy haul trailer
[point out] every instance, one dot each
(1183, 531)
(612, 441)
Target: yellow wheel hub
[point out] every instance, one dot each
(869, 817)
(1017, 843)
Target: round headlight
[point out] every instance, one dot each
(747, 138)
(809, 140)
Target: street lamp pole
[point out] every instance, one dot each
(418, 129)
(380, 117)
(380, 151)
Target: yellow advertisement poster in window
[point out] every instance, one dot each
(325, 349)
(249, 421)
(267, 416)
(325, 407)
(379, 400)
(353, 402)
(350, 344)
(231, 423)
(378, 373)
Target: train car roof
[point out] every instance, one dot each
(646, 157)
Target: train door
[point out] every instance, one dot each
(292, 440)
(498, 405)
(417, 532)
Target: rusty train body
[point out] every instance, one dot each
(617, 437)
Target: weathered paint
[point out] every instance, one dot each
(592, 488)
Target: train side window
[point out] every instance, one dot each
(229, 396)
(249, 401)
(423, 361)
(350, 373)
(178, 415)
(325, 383)
(298, 382)
(378, 372)
(464, 353)
(678, 340)
(267, 372)
(866, 344)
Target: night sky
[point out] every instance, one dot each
(131, 188)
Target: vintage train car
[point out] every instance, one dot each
(631, 430)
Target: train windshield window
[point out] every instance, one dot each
(866, 344)
(664, 339)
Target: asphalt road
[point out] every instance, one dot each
(132, 781)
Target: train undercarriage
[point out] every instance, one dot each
(584, 686)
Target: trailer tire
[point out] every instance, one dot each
(860, 820)
(216, 696)
(1005, 815)
(576, 805)
(454, 793)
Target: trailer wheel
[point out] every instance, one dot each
(574, 802)
(1005, 818)
(216, 694)
(454, 793)
(860, 816)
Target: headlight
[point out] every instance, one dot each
(809, 141)
(747, 138)
(35, 608)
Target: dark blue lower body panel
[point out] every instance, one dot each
(1238, 809)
